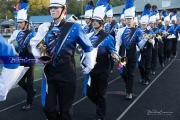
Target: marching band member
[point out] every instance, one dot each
(174, 40)
(123, 22)
(59, 75)
(135, 21)
(146, 52)
(158, 20)
(13, 69)
(169, 33)
(128, 38)
(154, 56)
(23, 36)
(96, 91)
(88, 17)
(109, 28)
(160, 26)
(177, 29)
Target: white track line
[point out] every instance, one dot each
(129, 107)
(40, 95)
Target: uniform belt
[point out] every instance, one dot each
(60, 60)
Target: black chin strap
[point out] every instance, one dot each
(60, 14)
(24, 26)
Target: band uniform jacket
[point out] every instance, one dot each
(104, 47)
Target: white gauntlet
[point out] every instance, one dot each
(90, 60)
(142, 43)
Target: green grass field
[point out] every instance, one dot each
(38, 69)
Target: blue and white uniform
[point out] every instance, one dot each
(98, 77)
(168, 42)
(146, 55)
(61, 72)
(88, 28)
(104, 47)
(127, 40)
(110, 28)
(22, 37)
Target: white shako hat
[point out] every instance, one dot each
(129, 9)
(100, 10)
(166, 16)
(22, 15)
(122, 14)
(109, 11)
(57, 3)
(174, 15)
(89, 9)
(152, 18)
(145, 14)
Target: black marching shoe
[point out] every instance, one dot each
(146, 82)
(174, 56)
(27, 107)
(162, 65)
(152, 72)
(168, 59)
(128, 96)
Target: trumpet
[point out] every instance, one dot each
(119, 59)
(165, 33)
(44, 56)
(149, 37)
(159, 36)
(79, 49)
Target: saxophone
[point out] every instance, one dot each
(44, 56)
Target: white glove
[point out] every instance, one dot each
(152, 42)
(165, 33)
(171, 36)
(86, 70)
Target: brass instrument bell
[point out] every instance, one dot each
(119, 59)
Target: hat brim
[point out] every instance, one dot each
(128, 17)
(55, 5)
(20, 20)
(144, 23)
(110, 16)
(87, 17)
(152, 21)
(97, 18)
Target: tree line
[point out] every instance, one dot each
(40, 7)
